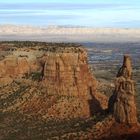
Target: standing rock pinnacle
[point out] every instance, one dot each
(126, 69)
(122, 102)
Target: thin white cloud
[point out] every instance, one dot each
(86, 14)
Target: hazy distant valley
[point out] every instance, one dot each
(68, 34)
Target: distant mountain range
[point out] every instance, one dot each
(68, 33)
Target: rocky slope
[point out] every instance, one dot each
(47, 91)
(61, 75)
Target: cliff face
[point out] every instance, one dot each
(68, 74)
(122, 103)
(66, 86)
(17, 65)
(13, 66)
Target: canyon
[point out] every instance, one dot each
(52, 83)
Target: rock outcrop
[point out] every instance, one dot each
(122, 103)
(67, 73)
(12, 67)
(62, 71)
(18, 65)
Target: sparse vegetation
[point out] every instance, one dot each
(36, 76)
(29, 110)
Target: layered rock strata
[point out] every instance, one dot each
(68, 74)
(122, 103)
(17, 65)
(62, 71)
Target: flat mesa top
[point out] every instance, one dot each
(41, 46)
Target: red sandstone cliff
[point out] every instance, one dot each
(66, 73)
(65, 76)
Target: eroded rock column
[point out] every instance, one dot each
(122, 103)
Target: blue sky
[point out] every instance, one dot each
(95, 13)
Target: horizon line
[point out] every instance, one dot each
(67, 26)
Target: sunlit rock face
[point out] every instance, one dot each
(17, 65)
(122, 103)
(12, 67)
(68, 74)
(53, 79)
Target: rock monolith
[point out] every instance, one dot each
(122, 102)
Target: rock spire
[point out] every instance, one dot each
(122, 102)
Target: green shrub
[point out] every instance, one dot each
(36, 76)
